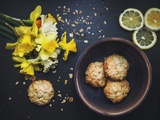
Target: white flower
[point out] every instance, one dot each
(48, 25)
(49, 64)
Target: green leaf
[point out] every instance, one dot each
(9, 20)
(6, 29)
(12, 37)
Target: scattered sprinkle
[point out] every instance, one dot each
(65, 82)
(59, 95)
(9, 98)
(54, 71)
(50, 105)
(24, 83)
(85, 41)
(17, 83)
(71, 69)
(70, 99)
(63, 101)
(61, 109)
(70, 75)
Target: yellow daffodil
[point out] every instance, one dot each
(22, 47)
(27, 66)
(70, 46)
(31, 30)
(46, 45)
(39, 39)
(48, 25)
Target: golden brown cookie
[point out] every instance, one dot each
(116, 67)
(40, 92)
(94, 74)
(116, 91)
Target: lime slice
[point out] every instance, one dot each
(144, 38)
(152, 19)
(131, 19)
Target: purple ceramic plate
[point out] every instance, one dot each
(139, 76)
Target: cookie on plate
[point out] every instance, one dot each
(116, 67)
(116, 91)
(94, 74)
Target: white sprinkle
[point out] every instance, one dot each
(71, 34)
(50, 105)
(73, 25)
(59, 91)
(106, 8)
(71, 68)
(65, 82)
(95, 14)
(85, 41)
(63, 101)
(61, 109)
(17, 83)
(54, 71)
(24, 83)
(9, 98)
(105, 22)
(88, 28)
(70, 75)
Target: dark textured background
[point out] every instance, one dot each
(20, 108)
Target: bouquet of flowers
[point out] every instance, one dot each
(35, 45)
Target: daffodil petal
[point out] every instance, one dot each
(34, 30)
(37, 68)
(71, 46)
(18, 59)
(24, 64)
(65, 56)
(21, 30)
(11, 46)
(48, 25)
(36, 13)
(27, 70)
(40, 39)
(44, 55)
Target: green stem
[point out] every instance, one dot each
(6, 29)
(15, 19)
(28, 22)
(8, 35)
(9, 20)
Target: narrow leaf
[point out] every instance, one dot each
(13, 38)
(8, 20)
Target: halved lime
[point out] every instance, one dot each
(152, 19)
(131, 19)
(144, 38)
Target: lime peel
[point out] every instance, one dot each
(144, 38)
(131, 19)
